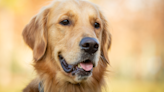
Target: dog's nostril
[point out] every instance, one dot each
(89, 45)
(86, 45)
(96, 46)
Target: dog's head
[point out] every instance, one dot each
(69, 37)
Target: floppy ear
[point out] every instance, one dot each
(35, 34)
(105, 40)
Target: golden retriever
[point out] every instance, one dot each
(70, 40)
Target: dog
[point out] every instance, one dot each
(70, 41)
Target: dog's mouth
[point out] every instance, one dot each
(83, 68)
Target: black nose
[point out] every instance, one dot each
(89, 45)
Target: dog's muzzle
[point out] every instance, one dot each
(89, 46)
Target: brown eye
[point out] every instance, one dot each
(97, 25)
(65, 22)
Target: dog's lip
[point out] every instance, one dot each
(68, 68)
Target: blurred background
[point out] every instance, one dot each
(136, 55)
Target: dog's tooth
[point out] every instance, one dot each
(79, 66)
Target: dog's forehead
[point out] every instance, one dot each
(81, 7)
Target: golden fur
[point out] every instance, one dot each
(46, 37)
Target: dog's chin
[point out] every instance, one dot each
(81, 70)
(81, 76)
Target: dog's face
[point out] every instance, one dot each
(74, 37)
(72, 33)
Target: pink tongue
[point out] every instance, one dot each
(87, 66)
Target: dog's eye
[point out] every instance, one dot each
(65, 22)
(97, 25)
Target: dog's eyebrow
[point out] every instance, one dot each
(69, 13)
